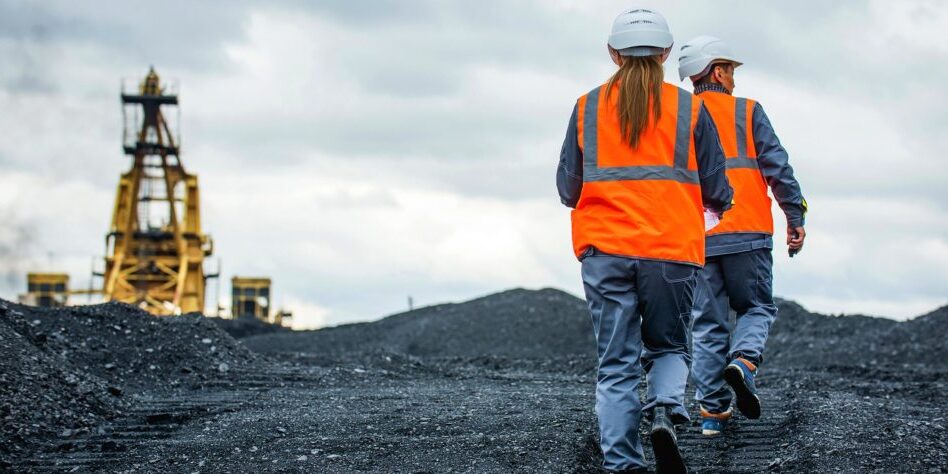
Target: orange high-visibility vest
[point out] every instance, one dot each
(643, 202)
(733, 119)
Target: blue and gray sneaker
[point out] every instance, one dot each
(739, 374)
(712, 424)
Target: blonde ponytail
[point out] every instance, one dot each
(640, 79)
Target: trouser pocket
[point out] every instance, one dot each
(682, 282)
(677, 272)
(763, 263)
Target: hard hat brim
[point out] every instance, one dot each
(686, 70)
(641, 51)
(632, 39)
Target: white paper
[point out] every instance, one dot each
(711, 220)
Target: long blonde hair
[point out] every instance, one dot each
(640, 78)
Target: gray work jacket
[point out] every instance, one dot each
(774, 164)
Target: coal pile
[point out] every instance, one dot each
(130, 348)
(548, 323)
(516, 324)
(63, 372)
(43, 395)
(805, 339)
(923, 339)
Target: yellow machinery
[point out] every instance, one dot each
(250, 298)
(155, 249)
(46, 289)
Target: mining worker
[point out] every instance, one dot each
(738, 272)
(640, 163)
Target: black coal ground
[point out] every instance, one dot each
(499, 384)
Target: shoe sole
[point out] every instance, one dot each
(710, 433)
(667, 456)
(747, 402)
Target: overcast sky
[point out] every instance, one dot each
(362, 152)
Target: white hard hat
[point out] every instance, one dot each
(640, 32)
(699, 54)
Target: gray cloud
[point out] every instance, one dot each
(188, 34)
(17, 248)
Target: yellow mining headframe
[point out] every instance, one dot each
(155, 249)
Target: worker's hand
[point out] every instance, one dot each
(795, 236)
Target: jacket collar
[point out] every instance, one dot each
(710, 86)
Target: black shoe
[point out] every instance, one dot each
(665, 444)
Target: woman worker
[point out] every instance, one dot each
(640, 163)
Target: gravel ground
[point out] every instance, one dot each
(511, 389)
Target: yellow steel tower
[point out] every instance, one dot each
(155, 249)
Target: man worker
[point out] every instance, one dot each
(738, 271)
(640, 163)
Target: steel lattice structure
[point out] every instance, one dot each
(155, 249)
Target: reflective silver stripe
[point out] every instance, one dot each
(740, 126)
(590, 138)
(683, 130)
(741, 162)
(740, 117)
(679, 172)
(620, 173)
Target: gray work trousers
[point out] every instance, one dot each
(639, 308)
(742, 282)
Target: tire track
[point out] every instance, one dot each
(156, 419)
(746, 446)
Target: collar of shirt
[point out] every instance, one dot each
(710, 86)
